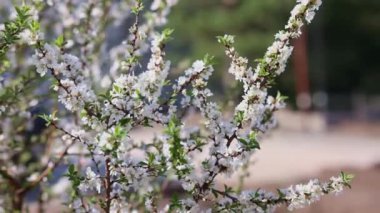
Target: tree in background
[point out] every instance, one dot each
(351, 40)
(255, 22)
(342, 48)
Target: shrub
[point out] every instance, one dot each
(91, 91)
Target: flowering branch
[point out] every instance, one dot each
(124, 175)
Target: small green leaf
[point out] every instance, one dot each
(34, 26)
(280, 97)
(347, 178)
(226, 40)
(60, 41)
(174, 203)
(166, 35)
(138, 8)
(71, 169)
(209, 60)
(239, 117)
(49, 118)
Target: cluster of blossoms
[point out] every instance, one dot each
(74, 91)
(108, 92)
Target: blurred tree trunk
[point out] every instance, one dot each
(301, 72)
(17, 202)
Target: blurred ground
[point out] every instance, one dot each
(362, 198)
(290, 155)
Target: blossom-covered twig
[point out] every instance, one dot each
(124, 175)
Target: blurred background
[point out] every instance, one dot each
(334, 66)
(332, 122)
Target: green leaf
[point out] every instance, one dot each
(280, 194)
(177, 152)
(251, 143)
(124, 121)
(34, 26)
(347, 178)
(166, 35)
(60, 41)
(71, 169)
(263, 72)
(11, 32)
(254, 144)
(209, 60)
(119, 133)
(280, 97)
(227, 189)
(138, 8)
(243, 141)
(49, 118)
(226, 40)
(175, 203)
(239, 117)
(117, 89)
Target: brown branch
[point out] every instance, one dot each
(225, 194)
(48, 168)
(133, 43)
(108, 186)
(14, 183)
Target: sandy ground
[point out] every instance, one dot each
(363, 197)
(288, 158)
(288, 155)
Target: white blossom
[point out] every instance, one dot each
(28, 37)
(92, 181)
